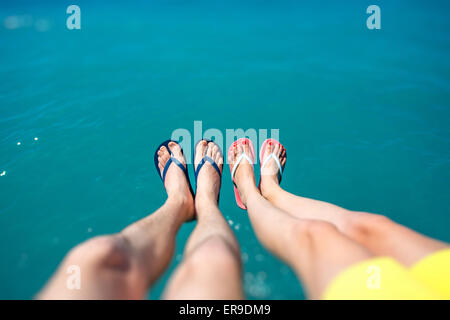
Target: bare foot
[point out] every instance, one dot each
(269, 174)
(176, 185)
(244, 175)
(208, 180)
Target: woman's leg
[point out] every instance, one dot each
(125, 265)
(211, 268)
(375, 232)
(316, 250)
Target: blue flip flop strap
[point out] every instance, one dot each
(202, 162)
(169, 162)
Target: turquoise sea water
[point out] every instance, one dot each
(364, 116)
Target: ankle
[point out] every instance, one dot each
(184, 202)
(205, 203)
(269, 187)
(208, 195)
(247, 192)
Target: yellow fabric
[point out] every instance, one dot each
(434, 271)
(384, 278)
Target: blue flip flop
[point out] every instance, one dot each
(202, 162)
(171, 160)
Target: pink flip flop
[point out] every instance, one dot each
(249, 157)
(263, 162)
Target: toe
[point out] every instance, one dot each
(284, 153)
(239, 150)
(200, 151)
(209, 152)
(218, 159)
(163, 157)
(177, 152)
(268, 150)
(231, 156)
(246, 147)
(203, 148)
(235, 152)
(174, 147)
(215, 151)
(276, 149)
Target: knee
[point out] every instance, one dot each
(309, 229)
(367, 224)
(215, 251)
(102, 251)
(211, 270)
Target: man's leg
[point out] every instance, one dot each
(377, 233)
(211, 268)
(125, 265)
(316, 250)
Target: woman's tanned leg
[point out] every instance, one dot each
(316, 250)
(380, 235)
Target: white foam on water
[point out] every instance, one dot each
(16, 22)
(259, 257)
(12, 22)
(256, 285)
(42, 25)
